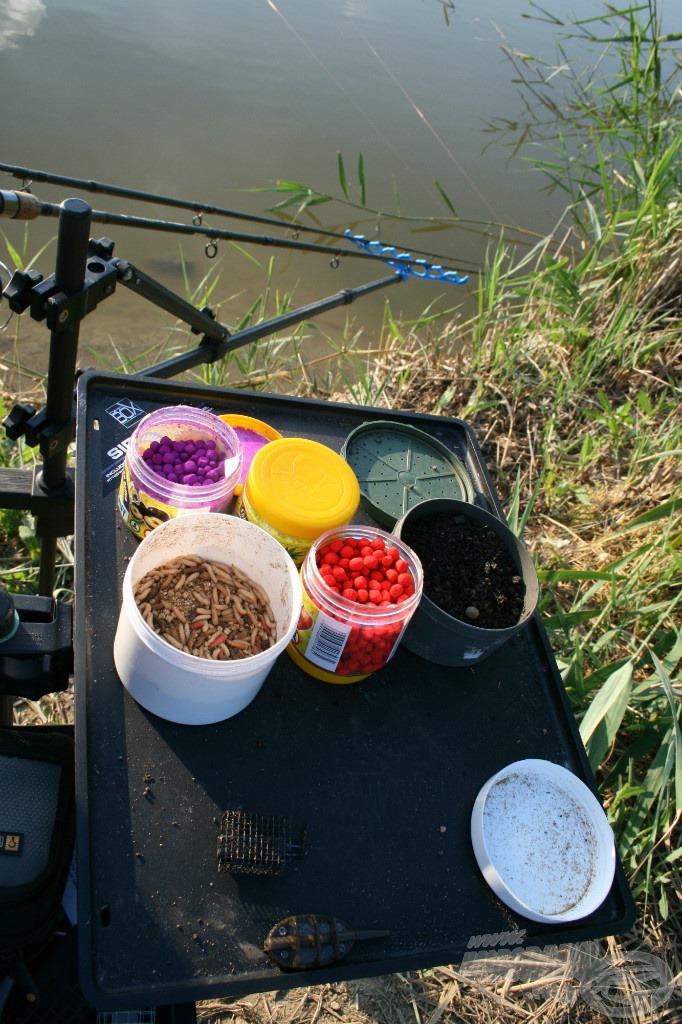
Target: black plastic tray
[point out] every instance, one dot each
(383, 774)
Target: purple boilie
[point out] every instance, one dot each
(193, 463)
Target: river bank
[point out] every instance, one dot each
(570, 373)
(582, 437)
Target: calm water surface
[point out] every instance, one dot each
(215, 99)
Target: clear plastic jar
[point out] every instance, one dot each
(340, 640)
(146, 499)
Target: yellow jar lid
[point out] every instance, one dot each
(301, 487)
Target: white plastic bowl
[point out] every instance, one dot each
(178, 686)
(542, 842)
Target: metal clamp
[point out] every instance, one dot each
(47, 302)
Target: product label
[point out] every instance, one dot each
(340, 648)
(239, 509)
(125, 412)
(141, 513)
(11, 843)
(327, 641)
(306, 621)
(318, 637)
(115, 430)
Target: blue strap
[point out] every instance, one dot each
(399, 261)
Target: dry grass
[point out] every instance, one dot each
(549, 993)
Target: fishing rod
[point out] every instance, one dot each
(86, 273)
(31, 175)
(26, 206)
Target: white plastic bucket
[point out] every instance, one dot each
(181, 687)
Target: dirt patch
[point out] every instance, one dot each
(468, 572)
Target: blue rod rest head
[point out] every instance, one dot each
(403, 263)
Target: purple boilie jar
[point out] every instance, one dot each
(179, 460)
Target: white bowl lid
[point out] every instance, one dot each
(543, 842)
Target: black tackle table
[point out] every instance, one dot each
(381, 774)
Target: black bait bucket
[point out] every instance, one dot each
(433, 633)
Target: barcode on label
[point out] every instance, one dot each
(327, 642)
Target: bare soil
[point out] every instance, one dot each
(468, 572)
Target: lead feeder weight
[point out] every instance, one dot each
(313, 940)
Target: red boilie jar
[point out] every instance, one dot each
(360, 586)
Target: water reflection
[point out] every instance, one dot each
(236, 97)
(19, 18)
(356, 9)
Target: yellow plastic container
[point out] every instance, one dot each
(297, 489)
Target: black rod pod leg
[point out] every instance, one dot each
(72, 252)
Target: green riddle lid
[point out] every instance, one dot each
(399, 466)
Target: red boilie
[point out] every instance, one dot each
(370, 573)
